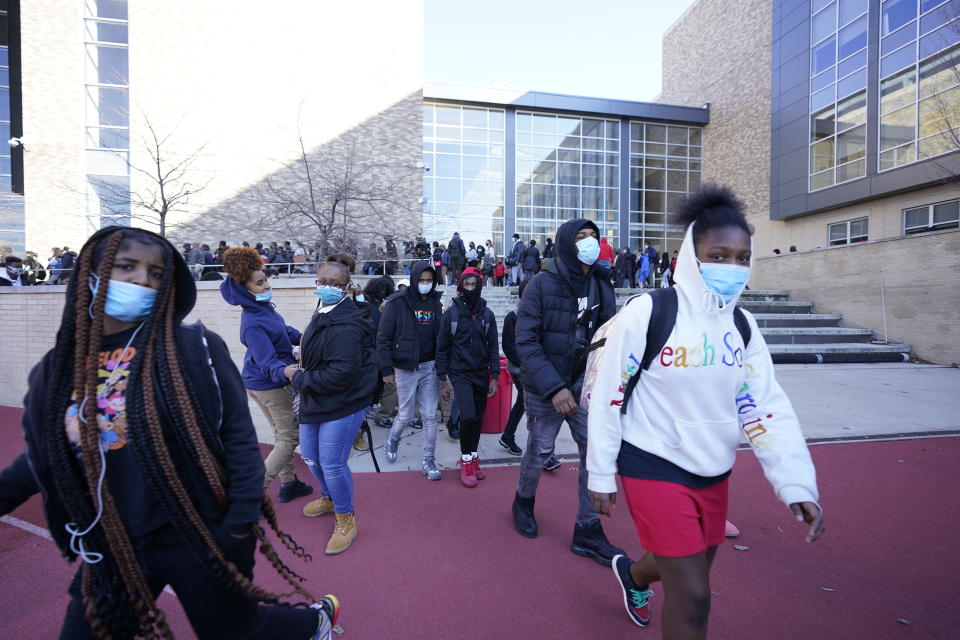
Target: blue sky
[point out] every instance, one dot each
(602, 48)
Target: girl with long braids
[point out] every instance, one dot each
(139, 437)
(270, 348)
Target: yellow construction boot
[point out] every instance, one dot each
(359, 444)
(318, 507)
(343, 534)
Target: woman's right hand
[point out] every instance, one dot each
(290, 370)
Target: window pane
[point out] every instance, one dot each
(545, 124)
(851, 145)
(427, 113)
(938, 17)
(926, 5)
(858, 228)
(940, 112)
(946, 212)
(695, 137)
(822, 125)
(524, 122)
(677, 135)
(939, 143)
(108, 138)
(899, 38)
(653, 201)
(898, 127)
(110, 64)
(655, 179)
(593, 128)
(851, 171)
(898, 91)
(940, 39)
(448, 115)
(837, 233)
(852, 63)
(853, 38)
(496, 119)
(850, 9)
(656, 133)
(851, 83)
(823, 98)
(896, 157)
(115, 9)
(940, 72)
(897, 60)
(821, 155)
(916, 217)
(108, 106)
(823, 55)
(852, 111)
(821, 180)
(824, 23)
(825, 79)
(896, 13)
(106, 32)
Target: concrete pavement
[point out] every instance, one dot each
(833, 402)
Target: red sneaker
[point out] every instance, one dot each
(477, 471)
(467, 477)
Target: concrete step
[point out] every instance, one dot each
(815, 335)
(777, 307)
(783, 320)
(836, 353)
(840, 347)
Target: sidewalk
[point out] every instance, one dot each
(833, 402)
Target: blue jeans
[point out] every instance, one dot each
(418, 389)
(325, 447)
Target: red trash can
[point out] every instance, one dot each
(498, 407)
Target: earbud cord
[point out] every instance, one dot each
(76, 537)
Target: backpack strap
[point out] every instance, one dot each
(453, 320)
(743, 325)
(662, 319)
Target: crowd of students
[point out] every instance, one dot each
(139, 436)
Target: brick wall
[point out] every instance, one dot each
(922, 288)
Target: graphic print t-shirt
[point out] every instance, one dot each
(138, 508)
(423, 311)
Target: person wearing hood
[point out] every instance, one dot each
(674, 443)
(139, 437)
(336, 380)
(407, 348)
(468, 353)
(12, 273)
(562, 307)
(270, 344)
(531, 260)
(458, 256)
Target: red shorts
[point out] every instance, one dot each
(674, 520)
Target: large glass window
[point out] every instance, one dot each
(838, 98)
(107, 112)
(848, 232)
(463, 155)
(919, 81)
(567, 167)
(934, 217)
(660, 178)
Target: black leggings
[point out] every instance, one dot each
(472, 401)
(510, 431)
(213, 612)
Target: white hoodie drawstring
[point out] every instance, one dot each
(713, 302)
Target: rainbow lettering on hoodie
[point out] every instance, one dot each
(690, 356)
(751, 419)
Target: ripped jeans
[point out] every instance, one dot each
(543, 426)
(325, 447)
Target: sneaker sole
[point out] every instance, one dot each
(510, 451)
(317, 515)
(588, 553)
(626, 602)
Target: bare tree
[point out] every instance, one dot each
(940, 112)
(336, 195)
(162, 183)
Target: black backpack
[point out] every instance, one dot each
(454, 321)
(663, 317)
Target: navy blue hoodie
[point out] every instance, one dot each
(268, 339)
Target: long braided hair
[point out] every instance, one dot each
(160, 402)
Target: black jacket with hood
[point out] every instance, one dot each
(547, 321)
(474, 350)
(339, 367)
(397, 343)
(223, 403)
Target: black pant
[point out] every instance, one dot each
(213, 611)
(471, 394)
(510, 431)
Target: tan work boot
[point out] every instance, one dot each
(359, 443)
(343, 534)
(318, 507)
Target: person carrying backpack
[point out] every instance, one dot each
(468, 353)
(673, 382)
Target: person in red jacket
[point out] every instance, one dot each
(606, 254)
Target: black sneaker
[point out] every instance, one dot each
(386, 423)
(453, 430)
(511, 446)
(635, 599)
(293, 490)
(552, 464)
(416, 423)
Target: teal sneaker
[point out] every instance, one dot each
(636, 599)
(328, 610)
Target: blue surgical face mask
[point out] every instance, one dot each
(588, 250)
(329, 295)
(263, 297)
(424, 289)
(125, 301)
(727, 280)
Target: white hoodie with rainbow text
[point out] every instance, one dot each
(701, 392)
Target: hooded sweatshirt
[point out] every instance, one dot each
(268, 339)
(702, 392)
(409, 325)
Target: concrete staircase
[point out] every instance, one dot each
(794, 332)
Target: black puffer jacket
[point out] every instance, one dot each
(397, 343)
(339, 375)
(474, 349)
(531, 259)
(548, 315)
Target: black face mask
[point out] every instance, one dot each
(472, 298)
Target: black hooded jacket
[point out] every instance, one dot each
(547, 321)
(398, 346)
(339, 368)
(474, 350)
(223, 403)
